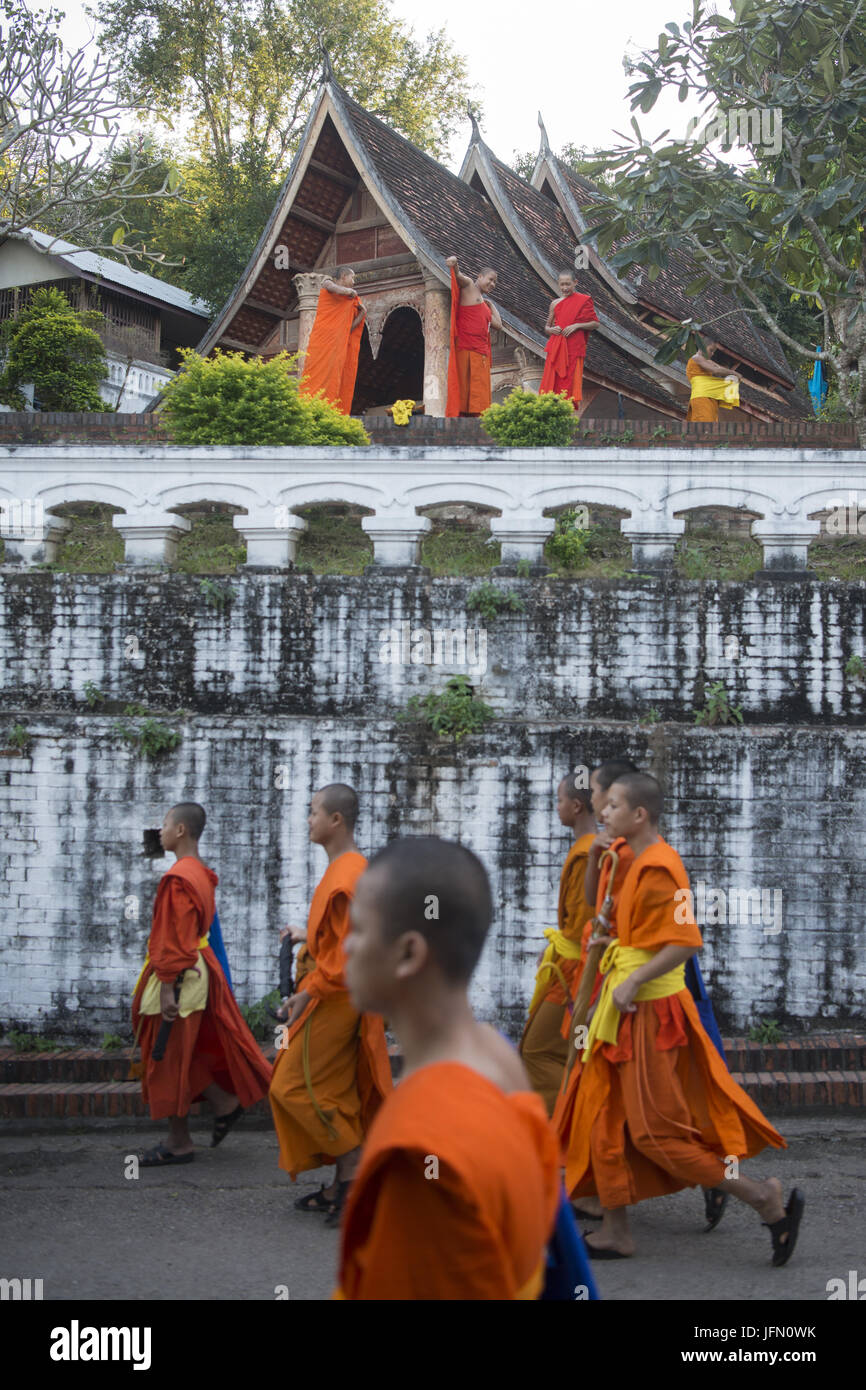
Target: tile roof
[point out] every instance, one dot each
(113, 272)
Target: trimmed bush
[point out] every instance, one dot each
(527, 421)
(226, 399)
(54, 346)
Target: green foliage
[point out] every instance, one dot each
(151, 737)
(18, 736)
(56, 348)
(257, 1018)
(718, 708)
(525, 420)
(766, 1030)
(225, 399)
(652, 716)
(488, 600)
(220, 596)
(113, 1042)
(454, 711)
(523, 568)
(855, 668)
(28, 1042)
(569, 544)
(93, 695)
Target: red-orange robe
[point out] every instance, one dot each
(657, 1110)
(624, 860)
(544, 1045)
(563, 368)
(456, 1193)
(214, 1044)
(323, 1109)
(469, 357)
(331, 361)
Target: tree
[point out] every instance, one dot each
(56, 348)
(787, 80)
(59, 127)
(576, 157)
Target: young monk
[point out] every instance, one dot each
(708, 391)
(458, 1186)
(332, 1069)
(570, 320)
(331, 360)
(472, 316)
(656, 1109)
(544, 1046)
(210, 1051)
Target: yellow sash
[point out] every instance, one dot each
(193, 991)
(618, 962)
(722, 389)
(560, 945)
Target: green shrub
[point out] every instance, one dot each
(455, 711)
(257, 1018)
(217, 595)
(153, 736)
(54, 346)
(93, 695)
(569, 544)
(527, 421)
(718, 708)
(855, 668)
(18, 736)
(766, 1031)
(488, 601)
(113, 1042)
(28, 1042)
(225, 399)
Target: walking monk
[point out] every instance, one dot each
(331, 360)
(709, 390)
(332, 1069)
(210, 1052)
(458, 1186)
(469, 358)
(656, 1109)
(544, 1046)
(570, 320)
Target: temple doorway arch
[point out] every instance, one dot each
(396, 373)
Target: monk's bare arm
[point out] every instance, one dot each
(495, 320)
(552, 326)
(464, 281)
(334, 288)
(707, 364)
(359, 318)
(580, 327)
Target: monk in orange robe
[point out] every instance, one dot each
(544, 1046)
(210, 1051)
(458, 1187)
(570, 320)
(702, 364)
(332, 1069)
(472, 316)
(656, 1108)
(331, 360)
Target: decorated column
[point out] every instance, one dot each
(437, 335)
(308, 286)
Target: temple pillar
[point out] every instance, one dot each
(530, 368)
(653, 539)
(271, 540)
(785, 541)
(308, 285)
(150, 538)
(396, 539)
(30, 534)
(437, 342)
(522, 538)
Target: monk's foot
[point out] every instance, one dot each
(588, 1207)
(224, 1121)
(163, 1157)
(771, 1208)
(601, 1247)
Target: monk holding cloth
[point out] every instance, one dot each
(331, 360)
(570, 319)
(469, 359)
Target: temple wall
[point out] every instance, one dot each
(286, 689)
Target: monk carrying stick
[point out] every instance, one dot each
(331, 360)
(656, 1109)
(182, 992)
(332, 1069)
(469, 359)
(544, 1046)
(570, 320)
(458, 1186)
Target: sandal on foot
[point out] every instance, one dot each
(715, 1201)
(337, 1203)
(315, 1201)
(597, 1254)
(161, 1157)
(788, 1225)
(223, 1123)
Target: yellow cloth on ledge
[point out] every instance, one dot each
(722, 389)
(560, 945)
(618, 962)
(193, 991)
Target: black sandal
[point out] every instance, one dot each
(161, 1157)
(223, 1124)
(337, 1203)
(715, 1201)
(315, 1201)
(788, 1225)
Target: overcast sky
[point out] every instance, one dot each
(563, 57)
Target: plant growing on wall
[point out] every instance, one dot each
(217, 595)
(652, 716)
(18, 738)
(454, 711)
(569, 544)
(225, 399)
(527, 421)
(767, 1030)
(488, 600)
(93, 695)
(256, 1015)
(855, 669)
(718, 708)
(56, 348)
(152, 736)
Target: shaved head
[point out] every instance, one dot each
(340, 798)
(190, 815)
(343, 271)
(613, 771)
(439, 889)
(576, 793)
(642, 789)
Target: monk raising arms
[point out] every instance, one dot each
(332, 1067)
(472, 316)
(458, 1186)
(699, 368)
(656, 1109)
(570, 320)
(544, 1046)
(210, 1051)
(331, 359)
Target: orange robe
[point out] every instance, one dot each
(456, 1193)
(331, 361)
(214, 1044)
(324, 1107)
(563, 368)
(704, 408)
(657, 1110)
(544, 1046)
(469, 357)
